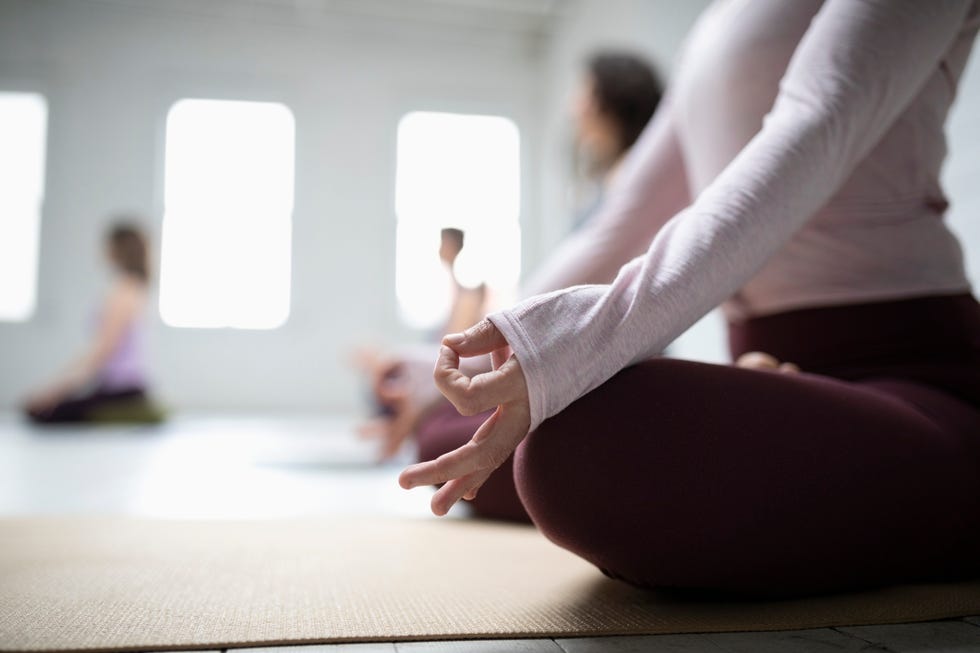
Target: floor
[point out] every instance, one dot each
(220, 467)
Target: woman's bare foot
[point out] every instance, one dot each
(760, 360)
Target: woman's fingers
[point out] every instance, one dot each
(481, 392)
(454, 464)
(492, 444)
(446, 496)
(481, 338)
(462, 472)
(499, 356)
(460, 488)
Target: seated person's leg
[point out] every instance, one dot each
(442, 430)
(130, 405)
(687, 475)
(69, 411)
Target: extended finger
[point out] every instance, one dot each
(460, 462)
(447, 496)
(508, 432)
(489, 448)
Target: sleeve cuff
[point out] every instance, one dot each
(525, 351)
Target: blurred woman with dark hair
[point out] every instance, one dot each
(108, 382)
(616, 99)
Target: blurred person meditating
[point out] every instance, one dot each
(467, 295)
(107, 383)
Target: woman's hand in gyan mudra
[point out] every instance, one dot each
(465, 469)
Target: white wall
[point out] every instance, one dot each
(111, 70)
(961, 176)
(654, 28)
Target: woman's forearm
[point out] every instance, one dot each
(854, 72)
(649, 188)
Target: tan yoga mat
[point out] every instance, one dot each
(113, 584)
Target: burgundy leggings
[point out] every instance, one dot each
(861, 471)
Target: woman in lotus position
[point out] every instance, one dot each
(807, 137)
(108, 382)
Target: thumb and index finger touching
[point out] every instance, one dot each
(475, 394)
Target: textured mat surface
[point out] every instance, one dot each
(89, 584)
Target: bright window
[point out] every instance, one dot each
(23, 130)
(460, 171)
(228, 203)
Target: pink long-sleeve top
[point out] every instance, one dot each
(810, 137)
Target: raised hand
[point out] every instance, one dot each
(465, 469)
(400, 411)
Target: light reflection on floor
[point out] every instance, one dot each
(207, 467)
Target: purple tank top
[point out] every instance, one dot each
(125, 366)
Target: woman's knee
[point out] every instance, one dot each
(685, 475)
(574, 451)
(567, 471)
(610, 478)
